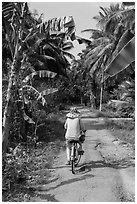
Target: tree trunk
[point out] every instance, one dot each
(6, 126)
(81, 100)
(93, 95)
(8, 110)
(101, 95)
(101, 90)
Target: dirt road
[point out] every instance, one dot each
(105, 172)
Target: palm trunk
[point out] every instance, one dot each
(101, 95)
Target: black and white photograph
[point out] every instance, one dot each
(68, 101)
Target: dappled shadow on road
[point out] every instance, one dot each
(119, 164)
(88, 166)
(69, 181)
(122, 164)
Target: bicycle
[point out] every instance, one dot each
(75, 154)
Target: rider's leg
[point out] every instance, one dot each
(68, 150)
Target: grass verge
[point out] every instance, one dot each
(123, 130)
(32, 167)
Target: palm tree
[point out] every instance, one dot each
(96, 55)
(113, 23)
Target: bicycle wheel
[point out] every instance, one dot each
(73, 166)
(77, 156)
(73, 150)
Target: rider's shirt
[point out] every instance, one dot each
(73, 128)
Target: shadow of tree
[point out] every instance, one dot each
(119, 164)
(69, 181)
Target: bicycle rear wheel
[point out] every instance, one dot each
(75, 157)
(73, 166)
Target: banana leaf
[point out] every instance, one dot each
(83, 40)
(126, 37)
(125, 57)
(56, 26)
(41, 74)
(128, 3)
(29, 92)
(28, 119)
(48, 91)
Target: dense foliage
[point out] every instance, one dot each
(30, 51)
(38, 78)
(116, 27)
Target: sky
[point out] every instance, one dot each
(82, 12)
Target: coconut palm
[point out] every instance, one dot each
(107, 40)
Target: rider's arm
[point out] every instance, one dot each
(65, 125)
(82, 128)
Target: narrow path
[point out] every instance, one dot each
(96, 180)
(93, 182)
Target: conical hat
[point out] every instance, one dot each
(72, 115)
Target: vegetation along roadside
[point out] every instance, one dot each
(40, 77)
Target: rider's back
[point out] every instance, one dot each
(73, 128)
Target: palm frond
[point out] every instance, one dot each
(95, 51)
(96, 66)
(107, 49)
(100, 40)
(121, 14)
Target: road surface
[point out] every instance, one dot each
(105, 173)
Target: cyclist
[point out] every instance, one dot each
(73, 131)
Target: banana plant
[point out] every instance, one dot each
(128, 91)
(124, 54)
(123, 59)
(13, 15)
(23, 37)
